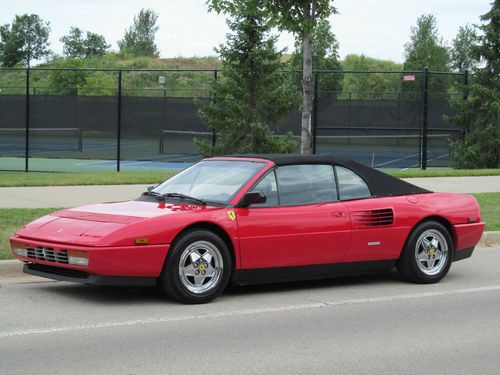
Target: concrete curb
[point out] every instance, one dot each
(489, 239)
(10, 268)
(14, 268)
(11, 271)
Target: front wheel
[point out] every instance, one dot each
(427, 255)
(197, 269)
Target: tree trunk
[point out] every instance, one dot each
(307, 90)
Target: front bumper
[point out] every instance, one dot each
(118, 261)
(67, 274)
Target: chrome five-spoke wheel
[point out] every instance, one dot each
(428, 253)
(200, 267)
(431, 252)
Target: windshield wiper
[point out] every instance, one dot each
(184, 196)
(174, 195)
(154, 194)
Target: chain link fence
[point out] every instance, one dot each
(91, 120)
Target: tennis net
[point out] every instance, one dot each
(45, 139)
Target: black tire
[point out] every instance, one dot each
(183, 288)
(420, 271)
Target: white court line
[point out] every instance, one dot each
(224, 314)
(431, 159)
(395, 160)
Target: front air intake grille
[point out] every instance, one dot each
(373, 218)
(47, 254)
(58, 270)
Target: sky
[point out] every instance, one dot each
(376, 28)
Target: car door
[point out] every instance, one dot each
(301, 223)
(376, 234)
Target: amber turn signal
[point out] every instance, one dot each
(141, 241)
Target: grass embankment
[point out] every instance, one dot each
(13, 218)
(123, 178)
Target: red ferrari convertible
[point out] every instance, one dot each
(249, 219)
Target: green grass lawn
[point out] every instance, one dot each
(443, 172)
(66, 179)
(490, 209)
(144, 178)
(13, 218)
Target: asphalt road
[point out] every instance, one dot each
(356, 325)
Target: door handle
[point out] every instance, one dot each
(337, 213)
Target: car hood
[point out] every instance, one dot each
(89, 225)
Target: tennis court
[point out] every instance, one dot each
(75, 149)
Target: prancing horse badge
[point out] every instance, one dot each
(232, 215)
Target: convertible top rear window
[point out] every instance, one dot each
(351, 186)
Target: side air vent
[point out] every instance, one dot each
(373, 218)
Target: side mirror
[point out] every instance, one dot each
(150, 188)
(252, 197)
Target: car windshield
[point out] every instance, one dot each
(211, 180)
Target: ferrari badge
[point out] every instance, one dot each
(232, 215)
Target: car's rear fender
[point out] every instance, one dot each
(464, 236)
(442, 220)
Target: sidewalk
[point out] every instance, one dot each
(66, 196)
(72, 196)
(472, 184)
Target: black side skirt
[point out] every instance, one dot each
(463, 254)
(75, 276)
(317, 271)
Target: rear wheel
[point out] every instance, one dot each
(427, 255)
(197, 269)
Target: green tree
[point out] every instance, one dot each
(426, 49)
(299, 17)
(76, 45)
(479, 114)
(253, 94)
(462, 54)
(325, 56)
(23, 41)
(67, 82)
(139, 39)
(370, 85)
(8, 49)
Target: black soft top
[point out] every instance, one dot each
(380, 183)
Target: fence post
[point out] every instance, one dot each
(119, 121)
(164, 111)
(315, 113)
(349, 111)
(75, 120)
(27, 136)
(465, 97)
(214, 134)
(399, 109)
(425, 119)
